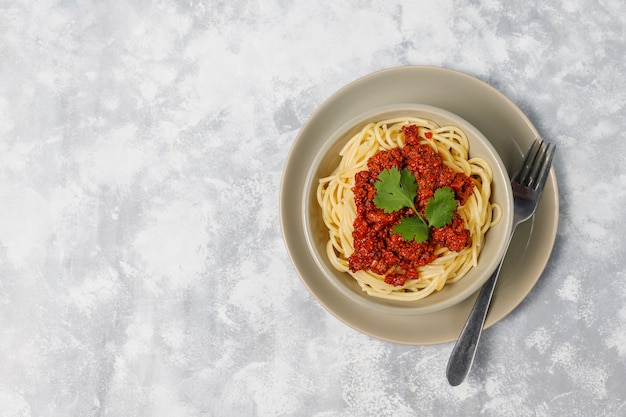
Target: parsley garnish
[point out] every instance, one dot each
(440, 207)
(396, 190)
(414, 228)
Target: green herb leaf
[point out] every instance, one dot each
(441, 207)
(412, 228)
(395, 190)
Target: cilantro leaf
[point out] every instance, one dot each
(441, 207)
(412, 228)
(395, 190)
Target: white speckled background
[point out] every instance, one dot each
(142, 267)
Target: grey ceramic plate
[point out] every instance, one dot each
(500, 121)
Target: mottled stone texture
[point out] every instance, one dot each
(142, 267)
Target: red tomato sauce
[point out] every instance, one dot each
(376, 248)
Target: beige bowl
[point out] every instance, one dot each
(316, 232)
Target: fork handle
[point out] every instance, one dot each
(464, 350)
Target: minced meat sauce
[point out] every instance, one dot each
(376, 248)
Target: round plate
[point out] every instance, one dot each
(509, 131)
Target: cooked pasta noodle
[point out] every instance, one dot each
(336, 198)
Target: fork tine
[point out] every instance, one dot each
(545, 167)
(538, 162)
(522, 174)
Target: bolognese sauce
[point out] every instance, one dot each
(376, 247)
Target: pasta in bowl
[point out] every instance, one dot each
(407, 209)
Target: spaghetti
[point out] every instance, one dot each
(336, 197)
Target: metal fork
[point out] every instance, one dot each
(527, 186)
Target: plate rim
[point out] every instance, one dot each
(357, 83)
